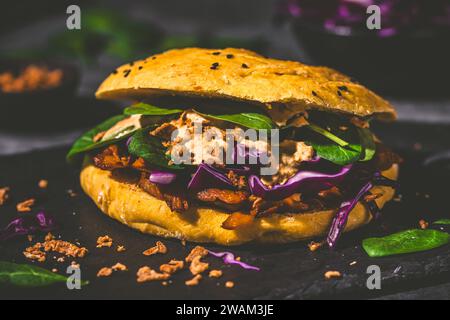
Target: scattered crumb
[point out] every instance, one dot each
(30, 238)
(39, 250)
(172, 267)
(61, 260)
(119, 267)
(313, 246)
(158, 248)
(229, 284)
(145, 274)
(332, 274)
(423, 224)
(164, 283)
(197, 251)
(183, 242)
(25, 206)
(4, 195)
(104, 272)
(215, 273)
(194, 281)
(43, 184)
(54, 270)
(104, 241)
(353, 263)
(121, 249)
(197, 266)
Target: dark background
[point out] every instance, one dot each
(410, 69)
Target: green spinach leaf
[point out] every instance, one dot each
(367, 143)
(149, 110)
(442, 221)
(247, 120)
(25, 275)
(150, 149)
(408, 241)
(85, 143)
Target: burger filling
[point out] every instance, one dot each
(324, 161)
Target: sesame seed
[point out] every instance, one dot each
(114, 72)
(131, 64)
(339, 93)
(153, 58)
(214, 66)
(230, 56)
(343, 88)
(140, 67)
(245, 66)
(314, 93)
(216, 53)
(126, 73)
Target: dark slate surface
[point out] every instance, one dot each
(288, 271)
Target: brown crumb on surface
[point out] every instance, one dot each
(61, 260)
(71, 193)
(229, 284)
(54, 270)
(313, 246)
(43, 184)
(119, 267)
(39, 250)
(121, 249)
(353, 263)
(145, 274)
(172, 267)
(25, 206)
(423, 224)
(104, 272)
(4, 195)
(197, 251)
(215, 273)
(158, 248)
(194, 281)
(104, 241)
(198, 266)
(332, 274)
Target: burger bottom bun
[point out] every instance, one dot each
(129, 204)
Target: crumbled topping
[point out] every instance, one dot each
(215, 273)
(119, 267)
(172, 267)
(198, 266)
(194, 281)
(158, 248)
(104, 241)
(332, 274)
(38, 251)
(121, 249)
(145, 274)
(104, 272)
(423, 224)
(43, 184)
(197, 251)
(229, 284)
(313, 246)
(4, 195)
(25, 206)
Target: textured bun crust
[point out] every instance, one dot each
(283, 87)
(132, 206)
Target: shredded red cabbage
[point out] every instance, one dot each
(340, 220)
(346, 17)
(228, 258)
(206, 176)
(28, 224)
(303, 181)
(162, 177)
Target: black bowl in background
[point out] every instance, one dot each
(412, 65)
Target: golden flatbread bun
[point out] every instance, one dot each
(129, 204)
(284, 88)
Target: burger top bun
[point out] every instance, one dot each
(283, 88)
